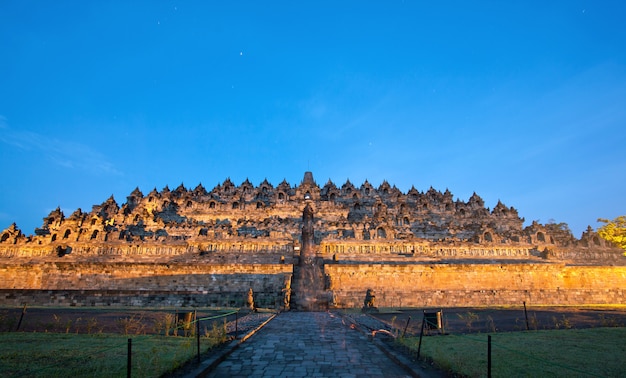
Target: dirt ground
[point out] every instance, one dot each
(483, 320)
(455, 320)
(105, 320)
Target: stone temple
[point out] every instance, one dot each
(304, 247)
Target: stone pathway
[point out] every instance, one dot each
(307, 344)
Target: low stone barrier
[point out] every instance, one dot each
(395, 285)
(461, 285)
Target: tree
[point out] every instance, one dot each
(614, 231)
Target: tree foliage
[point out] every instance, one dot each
(614, 231)
(552, 225)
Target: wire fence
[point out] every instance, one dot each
(521, 360)
(563, 352)
(106, 355)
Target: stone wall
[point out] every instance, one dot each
(140, 284)
(207, 248)
(133, 298)
(460, 285)
(268, 218)
(395, 284)
(77, 250)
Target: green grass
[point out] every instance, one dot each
(101, 355)
(590, 352)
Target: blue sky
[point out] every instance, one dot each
(523, 102)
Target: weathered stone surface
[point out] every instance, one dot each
(412, 249)
(257, 216)
(425, 285)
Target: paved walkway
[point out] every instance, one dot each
(307, 344)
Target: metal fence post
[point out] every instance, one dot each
(406, 326)
(526, 315)
(198, 337)
(129, 358)
(21, 317)
(489, 356)
(419, 346)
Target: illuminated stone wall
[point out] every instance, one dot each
(194, 247)
(395, 284)
(140, 284)
(444, 285)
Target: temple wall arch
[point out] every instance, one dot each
(541, 237)
(487, 237)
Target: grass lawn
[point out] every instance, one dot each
(100, 355)
(599, 352)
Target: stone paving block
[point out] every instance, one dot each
(307, 344)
